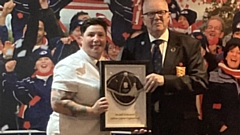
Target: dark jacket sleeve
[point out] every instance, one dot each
(210, 114)
(63, 50)
(3, 34)
(128, 50)
(58, 51)
(51, 24)
(196, 79)
(23, 91)
(30, 36)
(122, 8)
(57, 5)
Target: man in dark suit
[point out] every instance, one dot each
(174, 77)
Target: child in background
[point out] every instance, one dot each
(186, 20)
(33, 93)
(111, 52)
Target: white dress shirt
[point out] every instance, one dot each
(163, 46)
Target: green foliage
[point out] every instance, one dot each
(10, 36)
(224, 10)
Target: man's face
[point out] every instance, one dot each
(156, 16)
(236, 34)
(83, 17)
(94, 41)
(213, 30)
(41, 32)
(183, 23)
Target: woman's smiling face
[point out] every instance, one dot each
(94, 41)
(233, 57)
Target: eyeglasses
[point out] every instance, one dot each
(113, 48)
(152, 14)
(215, 28)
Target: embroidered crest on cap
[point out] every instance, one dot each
(43, 52)
(80, 22)
(184, 12)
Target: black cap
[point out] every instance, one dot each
(190, 15)
(236, 22)
(40, 52)
(233, 42)
(74, 24)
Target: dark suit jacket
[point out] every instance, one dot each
(178, 93)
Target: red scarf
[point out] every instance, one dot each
(233, 72)
(49, 73)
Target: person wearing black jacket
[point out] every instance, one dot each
(174, 93)
(221, 103)
(21, 13)
(66, 46)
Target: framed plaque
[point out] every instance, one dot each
(122, 83)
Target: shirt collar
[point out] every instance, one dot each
(164, 36)
(90, 59)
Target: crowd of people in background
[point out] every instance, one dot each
(27, 62)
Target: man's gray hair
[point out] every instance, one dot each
(219, 19)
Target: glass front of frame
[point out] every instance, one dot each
(122, 85)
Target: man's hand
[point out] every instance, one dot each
(153, 81)
(223, 128)
(44, 4)
(8, 7)
(10, 65)
(8, 50)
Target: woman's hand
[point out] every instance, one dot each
(100, 106)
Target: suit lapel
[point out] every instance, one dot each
(145, 53)
(145, 45)
(148, 47)
(172, 54)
